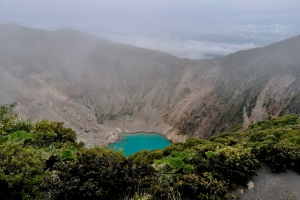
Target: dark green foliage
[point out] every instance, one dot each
(280, 156)
(176, 162)
(238, 127)
(146, 156)
(48, 132)
(234, 165)
(204, 187)
(209, 154)
(10, 121)
(21, 172)
(234, 157)
(274, 141)
(7, 110)
(287, 120)
(173, 147)
(22, 161)
(99, 173)
(3, 139)
(44, 158)
(20, 136)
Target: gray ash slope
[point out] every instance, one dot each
(100, 88)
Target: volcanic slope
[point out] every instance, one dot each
(101, 88)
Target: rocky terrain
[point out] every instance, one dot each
(101, 88)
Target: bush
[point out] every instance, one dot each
(146, 156)
(236, 165)
(280, 156)
(204, 169)
(99, 173)
(21, 172)
(48, 132)
(10, 121)
(204, 187)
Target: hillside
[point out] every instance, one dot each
(43, 161)
(100, 88)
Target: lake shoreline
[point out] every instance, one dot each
(145, 132)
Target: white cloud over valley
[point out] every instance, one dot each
(185, 28)
(180, 47)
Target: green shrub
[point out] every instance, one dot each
(147, 156)
(280, 156)
(173, 147)
(204, 187)
(98, 173)
(236, 165)
(203, 169)
(10, 121)
(21, 172)
(48, 132)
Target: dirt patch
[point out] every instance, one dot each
(268, 185)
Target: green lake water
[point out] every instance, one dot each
(132, 143)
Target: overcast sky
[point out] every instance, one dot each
(186, 28)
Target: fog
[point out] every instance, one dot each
(185, 28)
(67, 75)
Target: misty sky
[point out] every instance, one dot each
(185, 28)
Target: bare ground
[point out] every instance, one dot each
(272, 186)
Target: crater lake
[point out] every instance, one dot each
(131, 143)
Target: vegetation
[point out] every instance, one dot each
(101, 117)
(43, 161)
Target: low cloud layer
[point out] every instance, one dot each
(202, 44)
(185, 28)
(179, 47)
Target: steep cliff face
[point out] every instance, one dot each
(253, 85)
(101, 88)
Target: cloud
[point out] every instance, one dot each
(203, 44)
(184, 28)
(180, 47)
(263, 34)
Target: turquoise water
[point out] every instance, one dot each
(132, 143)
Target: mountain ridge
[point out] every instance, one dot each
(101, 88)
